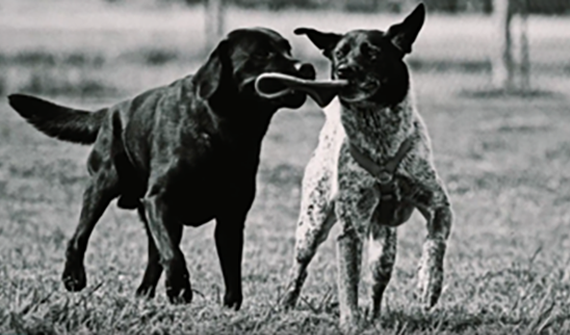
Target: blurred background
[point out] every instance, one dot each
(96, 46)
(492, 81)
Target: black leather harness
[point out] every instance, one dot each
(384, 174)
(385, 179)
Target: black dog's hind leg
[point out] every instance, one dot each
(102, 188)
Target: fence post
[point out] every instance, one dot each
(525, 53)
(214, 21)
(503, 65)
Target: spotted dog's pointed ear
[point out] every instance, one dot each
(404, 34)
(210, 76)
(324, 41)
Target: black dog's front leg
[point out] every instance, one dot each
(229, 243)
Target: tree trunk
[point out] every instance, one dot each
(214, 23)
(525, 53)
(503, 65)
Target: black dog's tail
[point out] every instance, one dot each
(63, 123)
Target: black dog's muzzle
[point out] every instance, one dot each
(305, 70)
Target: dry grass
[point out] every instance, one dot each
(504, 160)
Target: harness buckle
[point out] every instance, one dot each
(384, 177)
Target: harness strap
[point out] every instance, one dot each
(384, 174)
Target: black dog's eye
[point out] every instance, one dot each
(263, 54)
(369, 51)
(341, 52)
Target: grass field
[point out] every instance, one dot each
(504, 160)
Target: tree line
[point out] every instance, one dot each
(552, 7)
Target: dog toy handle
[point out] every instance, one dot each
(274, 85)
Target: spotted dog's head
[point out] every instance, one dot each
(371, 60)
(230, 72)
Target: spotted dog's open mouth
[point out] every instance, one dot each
(278, 85)
(360, 90)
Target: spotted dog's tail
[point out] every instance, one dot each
(63, 123)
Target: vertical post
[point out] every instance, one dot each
(503, 66)
(525, 53)
(214, 20)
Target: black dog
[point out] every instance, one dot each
(181, 154)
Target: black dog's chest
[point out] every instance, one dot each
(199, 187)
(201, 192)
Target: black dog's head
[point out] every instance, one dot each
(371, 60)
(230, 72)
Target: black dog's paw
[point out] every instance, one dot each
(145, 291)
(74, 278)
(179, 295)
(178, 289)
(288, 302)
(233, 300)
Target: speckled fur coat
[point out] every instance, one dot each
(337, 189)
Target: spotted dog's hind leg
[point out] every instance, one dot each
(314, 225)
(430, 274)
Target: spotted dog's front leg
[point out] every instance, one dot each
(430, 273)
(349, 250)
(381, 257)
(351, 208)
(389, 214)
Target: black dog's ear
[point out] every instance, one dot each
(210, 76)
(404, 34)
(324, 41)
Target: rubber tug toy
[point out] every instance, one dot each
(275, 85)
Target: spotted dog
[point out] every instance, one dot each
(373, 165)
